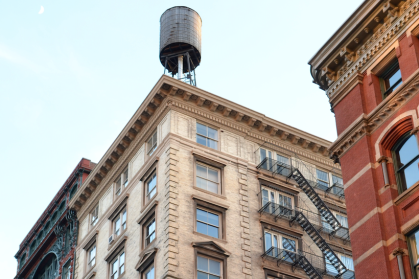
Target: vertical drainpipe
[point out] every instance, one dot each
(398, 253)
(180, 67)
(383, 160)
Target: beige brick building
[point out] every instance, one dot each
(182, 193)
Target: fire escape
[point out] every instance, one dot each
(302, 217)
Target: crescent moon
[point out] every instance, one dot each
(41, 10)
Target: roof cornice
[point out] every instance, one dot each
(175, 90)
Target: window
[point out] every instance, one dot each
(206, 136)
(121, 180)
(152, 144)
(391, 79)
(149, 273)
(94, 216)
(337, 180)
(66, 271)
(280, 202)
(208, 268)
(406, 160)
(22, 261)
(92, 257)
(120, 223)
(342, 219)
(150, 232)
(322, 179)
(277, 245)
(151, 185)
(281, 165)
(346, 260)
(207, 223)
(413, 243)
(73, 191)
(208, 178)
(47, 268)
(118, 266)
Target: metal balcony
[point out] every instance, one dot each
(300, 259)
(283, 169)
(279, 211)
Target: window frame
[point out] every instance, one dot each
(145, 219)
(220, 221)
(213, 163)
(151, 147)
(147, 198)
(145, 227)
(88, 259)
(94, 216)
(384, 78)
(213, 259)
(66, 268)
(273, 155)
(410, 247)
(122, 181)
(401, 183)
(217, 141)
(213, 207)
(117, 259)
(279, 236)
(120, 216)
(208, 166)
(147, 269)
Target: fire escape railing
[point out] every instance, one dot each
(296, 259)
(280, 211)
(284, 169)
(295, 173)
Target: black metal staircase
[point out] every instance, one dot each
(320, 242)
(300, 218)
(328, 217)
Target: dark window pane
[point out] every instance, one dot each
(212, 133)
(411, 174)
(212, 231)
(202, 275)
(214, 267)
(408, 151)
(201, 129)
(201, 228)
(212, 144)
(201, 215)
(201, 140)
(202, 264)
(394, 78)
(213, 219)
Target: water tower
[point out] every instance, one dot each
(180, 42)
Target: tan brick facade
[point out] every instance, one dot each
(176, 246)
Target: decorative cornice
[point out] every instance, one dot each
(368, 124)
(169, 92)
(389, 31)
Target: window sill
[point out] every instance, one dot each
(403, 196)
(146, 205)
(210, 193)
(90, 273)
(118, 239)
(210, 237)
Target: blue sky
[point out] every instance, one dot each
(71, 78)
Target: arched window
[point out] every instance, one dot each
(22, 261)
(406, 160)
(47, 268)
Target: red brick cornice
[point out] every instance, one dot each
(366, 124)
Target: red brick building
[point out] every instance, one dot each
(48, 250)
(369, 69)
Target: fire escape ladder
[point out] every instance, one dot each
(302, 220)
(315, 198)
